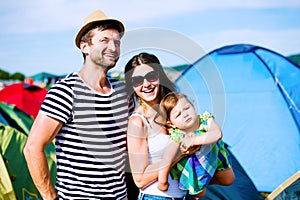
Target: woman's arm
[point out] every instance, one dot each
(143, 172)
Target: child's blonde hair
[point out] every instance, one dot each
(166, 105)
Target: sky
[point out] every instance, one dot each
(38, 36)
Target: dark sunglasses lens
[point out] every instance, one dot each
(152, 76)
(137, 81)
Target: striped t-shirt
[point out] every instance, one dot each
(91, 146)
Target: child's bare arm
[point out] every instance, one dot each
(170, 154)
(212, 135)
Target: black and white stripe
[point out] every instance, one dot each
(91, 146)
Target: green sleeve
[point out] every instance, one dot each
(206, 115)
(176, 135)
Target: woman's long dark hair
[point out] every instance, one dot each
(166, 86)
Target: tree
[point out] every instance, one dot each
(4, 75)
(17, 76)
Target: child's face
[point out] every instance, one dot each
(183, 115)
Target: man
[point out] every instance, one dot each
(87, 114)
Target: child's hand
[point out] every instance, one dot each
(185, 144)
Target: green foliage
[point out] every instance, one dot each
(17, 76)
(4, 75)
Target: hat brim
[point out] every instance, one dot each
(119, 26)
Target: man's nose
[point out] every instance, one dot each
(111, 45)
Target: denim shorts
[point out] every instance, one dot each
(143, 196)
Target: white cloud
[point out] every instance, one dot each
(44, 15)
(285, 42)
(34, 17)
(252, 4)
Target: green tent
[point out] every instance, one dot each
(6, 190)
(12, 116)
(13, 166)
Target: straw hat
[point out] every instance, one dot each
(97, 17)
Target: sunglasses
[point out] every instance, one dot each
(139, 80)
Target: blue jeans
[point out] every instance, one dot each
(143, 196)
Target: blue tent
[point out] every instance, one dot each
(254, 94)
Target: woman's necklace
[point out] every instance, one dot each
(148, 113)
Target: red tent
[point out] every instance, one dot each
(25, 96)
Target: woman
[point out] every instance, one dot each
(148, 84)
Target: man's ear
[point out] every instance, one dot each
(85, 48)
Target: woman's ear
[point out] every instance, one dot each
(170, 124)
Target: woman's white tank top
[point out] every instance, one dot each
(157, 142)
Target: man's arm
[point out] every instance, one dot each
(41, 134)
